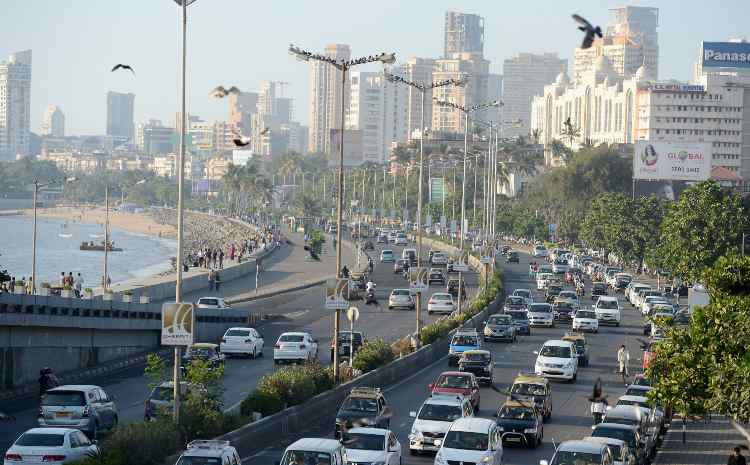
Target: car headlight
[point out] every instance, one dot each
(487, 459)
(529, 430)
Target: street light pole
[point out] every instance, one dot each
(105, 281)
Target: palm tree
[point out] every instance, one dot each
(571, 132)
(560, 151)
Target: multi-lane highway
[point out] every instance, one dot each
(302, 310)
(570, 418)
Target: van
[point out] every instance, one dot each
(411, 255)
(319, 451)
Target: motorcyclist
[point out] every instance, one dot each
(371, 299)
(370, 264)
(370, 286)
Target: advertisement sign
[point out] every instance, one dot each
(726, 54)
(428, 221)
(336, 291)
(418, 279)
(437, 189)
(663, 189)
(177, 323)
(687, 161)
(671, 87)
(353, 152)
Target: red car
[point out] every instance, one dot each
(458, 382)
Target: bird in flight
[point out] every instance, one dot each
(265, 131)
(240, 141)
(591, 31)
(221, 92)
(121, 66)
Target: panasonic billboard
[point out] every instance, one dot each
(726, 55)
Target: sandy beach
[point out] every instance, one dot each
(141, 223)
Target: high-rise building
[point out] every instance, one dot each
(325, 98)
(242, 107)
(448, 120)
(120, 121)
(154, 138)
(53, 122)
(464, 33)
(15, 105)
(525, 76)
(630, 40)
(418, 70)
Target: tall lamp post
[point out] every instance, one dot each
(422, 88)
(344, 66)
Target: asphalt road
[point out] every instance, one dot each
(302, 310)
(570, 417)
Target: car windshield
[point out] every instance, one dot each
(466, 440)
(360, 441)
(361, 405)
(516, 413)
(622, 420)
(500, 320)
(201, 352)
(442, 297)
(386, 252)
(64, 399)
(540, 308)
(346, 337)
(563, 457)
(476, 357)
(209, 302)
(436, 412)
(561, 262)
(40, 440)
(569, 295)
(622, 434)
(632, 402)
(291, 338)
(401, 292)
(554, 290)
(598, 286)
(555, 351)
(515, 301)
(298, 457)
(641, 381)
(199, 461)
(516, 315)
(586, 314)
(564, 306)
(527, 389)
(238, 332)
(454, 381)
(524, 294)
(464, 341)
(162, 393)
(607, 304)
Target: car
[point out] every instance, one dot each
(520, 321)
(382, 239)
(386, 256)
(541, 315)
(504, 250)
(562, 310)
(309, 451)
(571, 297)
(557, 359)
(212, 302)
(512, 257)
(622, 281)
(581, 350)
(540, 251)
(552, 291)
(411, 255)
(392, 237)
(531, 388)
(653, 411)
(585, 320)
(80, 406)
(653, 300)
(520, 421)
(434, 418)
(363, 407)
(401, 298)
(633, 289)
(440, 302)
(627, 433)
(372, 445)
(345, 342)
(295, 346)
(242, 341)
(368, 245)
(514, 302)
(401, 265)
(401, 239)
(526, 294)
(204, 351)
(50, 445)
(621, 454)
(161, 399)
(580, 452)
(542, 279)
(478, 362)
(637, 390)
(598, 288)
(500, 327)
(560, 266)
(453, 285)
(471, 440)
(209, 451)
(461, 342)
(439, 258)
(436, 276)
(661, 316)
(457, 382)
(607, 310)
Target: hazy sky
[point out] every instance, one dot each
(242, 42)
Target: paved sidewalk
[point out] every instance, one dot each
(706, 443)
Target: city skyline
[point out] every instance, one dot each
(154, 52)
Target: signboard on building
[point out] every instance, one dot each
(687, 161)
(437, 189)
(672, 87)
(353, 151)
(726, 54)
(177, 323)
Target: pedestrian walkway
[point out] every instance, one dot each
(706, 442)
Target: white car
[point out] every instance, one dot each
(433, 420)
(401, 239)
(557, 359)
(471, 440)
(542, 279)
(372, 445)
(525, 293)
(386, 256)
(440, 302)
(607, 310)
(650, 302)
(585, 320)
(242, 341)
(540, 251)
(621, 455)
(571, 297)
(400, 298)
(560, 266)
(295, 347)
(439, 258)
(212, 302)
(634, 289)
(541, 315)
(49, 445)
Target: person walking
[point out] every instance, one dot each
(221, 259)
(47, 381)
(736, 458)
(623, 360)
(211, 280)
(78, 285)
(217, 281)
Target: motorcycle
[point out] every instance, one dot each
(370, 298)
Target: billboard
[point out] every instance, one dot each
(686, 161)
(353, 151)
(725, 54)
(177, 323)
(663, 189)
(437, 189)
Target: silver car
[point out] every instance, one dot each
(84, 407)
(400, 298)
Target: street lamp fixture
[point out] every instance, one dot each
(343, 66)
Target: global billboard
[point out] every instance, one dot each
(663, 189)
(726, 54)
(686, 161)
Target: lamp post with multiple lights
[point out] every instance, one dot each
(343, 66)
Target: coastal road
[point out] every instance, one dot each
(570, 417)
(301, 310)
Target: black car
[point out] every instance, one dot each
(562, 310)
(512, 257)
(622, 283)
(202, 351)
(382, 239)
(500, 327)
(436, 276)
(345, 343)
(514, 302)
(521, 422)
(520, 321)
(597, 289)
(505, 249)
(452, 288)
(401, 265)
(368, 245)
(478, 362)
(364, 407)
(552, 292)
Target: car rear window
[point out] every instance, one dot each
(64, 398)
(540, 308)
(400, 292)
(40, 440)
(607, 304)
(209, 302)
(291, 338)
(238, 332)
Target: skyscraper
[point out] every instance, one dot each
(53, 122)
(242, 107)
(525, 76)
(445, 119)
(464, 33)
(325, 98)
(120, 115)
(418, 70)
(154, 138)
(15, 105)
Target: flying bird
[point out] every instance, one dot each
(264, 131)
(121, 66)
(221, 92)
(591, 31)
(241, 141)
